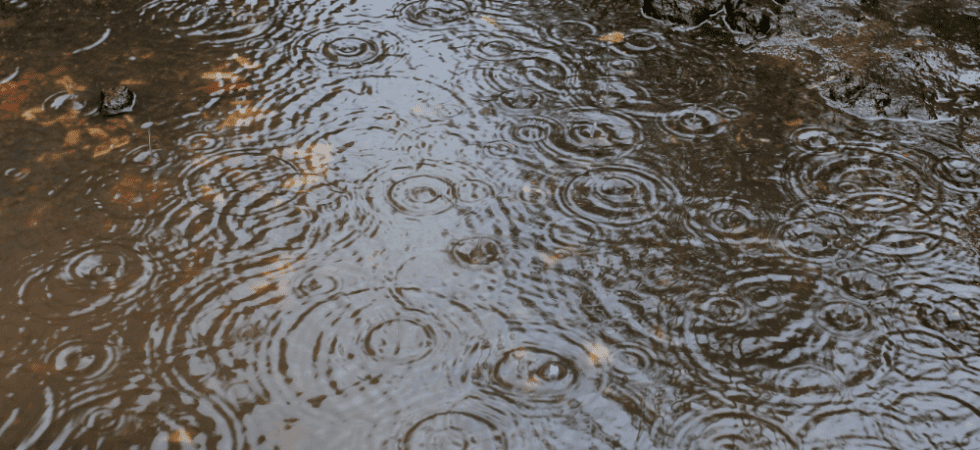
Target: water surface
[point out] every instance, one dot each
(461, 224)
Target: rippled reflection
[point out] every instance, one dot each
(460, 224)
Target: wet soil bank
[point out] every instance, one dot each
(873, 59)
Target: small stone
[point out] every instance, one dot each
(117, 100)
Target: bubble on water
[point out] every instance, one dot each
(243, 183)
(433, 13)
(535, 374)
(617, 195)
(476, 251)
(733, 430)
(100, 276)
(725, 220)
(695, 121)
(219, 23)
(454, 430)
(814, 139)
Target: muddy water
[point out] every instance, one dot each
(452, 224)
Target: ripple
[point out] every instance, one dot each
(83, 281)
(681, 68)
(201, 142)
(814, 139)
(454, 430)
(536, 374)
(341, 49)
(590, 134)
(362, 347)
(615, 92)
(863, 284)
(358, 113)
(733, 430)
(772, 289)
(20, 424)
(906, 243)
(433, 14)
(695, 121)
(851, 429)
(807, 383)
(476, 251)
(243, 183)
(816, 234)
(530, 74)
(496, 47)
(617, 196)
(943, 420)
(572, 33)
(862, 178)
(843, 319)
(727, 312)
(76, 361)
(218, 23)
(427, 189)
(131, 194)
(960, 178)
(59, 106)
(630, 359)
(421, 195)
(919, 355)
(725, 220)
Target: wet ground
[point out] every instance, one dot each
(488, 225)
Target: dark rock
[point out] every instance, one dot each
(689, 12)
(117, 100)
(754, 19)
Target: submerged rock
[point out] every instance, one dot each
(117, 100)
